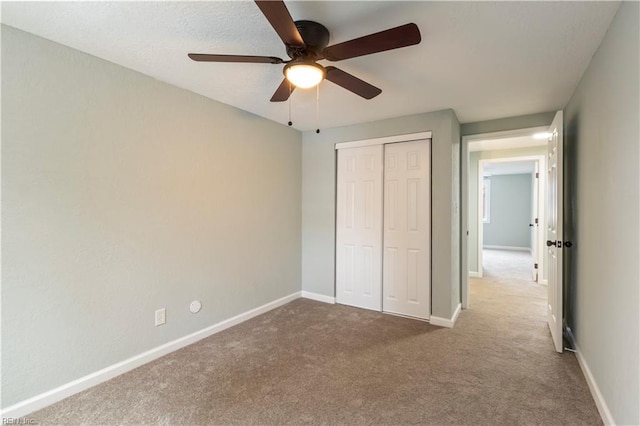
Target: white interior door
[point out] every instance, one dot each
(359, 227)
(535, 229)
(406, 240)
(554, 231)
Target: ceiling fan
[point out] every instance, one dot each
(306, 44)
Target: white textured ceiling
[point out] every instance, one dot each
(485, 60)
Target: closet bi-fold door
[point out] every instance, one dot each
(359, 227)
(407, 208)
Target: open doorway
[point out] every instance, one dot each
(542, 300)
(490, 161)
(510, 213)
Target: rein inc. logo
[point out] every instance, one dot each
(18, 421)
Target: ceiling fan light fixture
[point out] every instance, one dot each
(304, 74)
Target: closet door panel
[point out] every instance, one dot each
(407, 273)
(359, 227)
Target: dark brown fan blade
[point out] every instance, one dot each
(283, 91)
(204, 57)
(278, 16)
(394, 38)
(352, 83)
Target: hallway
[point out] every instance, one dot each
(508, 291)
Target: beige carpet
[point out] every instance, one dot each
(315, 363)
(507, 264)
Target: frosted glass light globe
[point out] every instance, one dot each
(304, 76)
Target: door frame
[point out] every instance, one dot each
(407, 137)
(540, 159)
(464, 197)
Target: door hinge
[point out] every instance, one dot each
(537, 175)
(535, 266)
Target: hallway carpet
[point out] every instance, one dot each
(507, 264)
(314, 363)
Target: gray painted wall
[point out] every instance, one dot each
(601, 140)
(510, 211)
(318, 202)
(121, 195)
(474, 158)
(509, 123)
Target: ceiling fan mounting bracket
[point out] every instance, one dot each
(316, 38)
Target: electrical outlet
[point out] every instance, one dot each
(195, 306)
(161, 316)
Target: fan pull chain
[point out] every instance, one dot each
(289, 102)
(318, 108)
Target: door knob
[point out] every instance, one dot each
(559, 244)
(531, 225)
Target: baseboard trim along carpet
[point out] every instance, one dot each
(47, 398)
(601, 404)
(446, 322)
(319, 297)
(474, 274)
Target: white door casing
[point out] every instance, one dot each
(406, 236)
(554, 231)
(359, 227)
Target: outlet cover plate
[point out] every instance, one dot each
(161, 316)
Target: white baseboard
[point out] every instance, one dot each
(507, 248)
(474, 274)
(601, 404)
(319, 297)
(47, 398)
(544, 282)
(446, 322)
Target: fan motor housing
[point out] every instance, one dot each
(315, 36)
